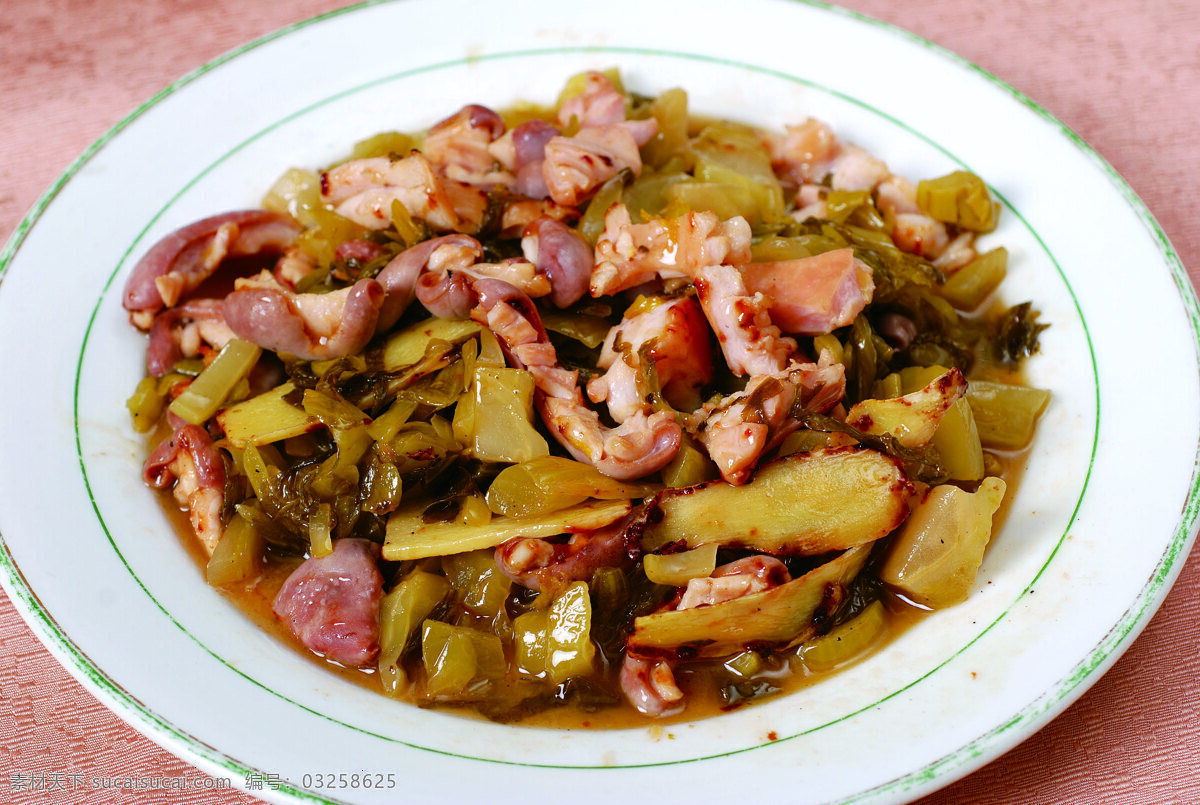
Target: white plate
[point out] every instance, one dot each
(1098, 531)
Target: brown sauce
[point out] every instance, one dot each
(701, 682)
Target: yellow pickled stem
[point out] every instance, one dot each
(745, 664)
(262, 465)
(960, 198)
(846, 641)
(933, 559)
(237, 557)
(887, 387)
(829, 342)
(774, 248)
(1005, 415)
(501, 425)
(296, 193)
(325, 233)
(523, 112)
(333, 413)
(841, 203)
(677, 569)
(212, 387)
(569, 649)
(490, 352)
(590, 331)
(690, 466)
(474, 511)
(385, 426)
(530, 640)
(410, 537)
(643, 304)
(804, 441)
(577, 84)
(384, 144)
(386, 489)
(449, 658)
(408, 230)
(670, 110)
(411, 346)
(319, 535)
(973, 283)
(957, 443)
(460, 662)
(401, 613)
(145, 404)
(591, 225)
(915, 378)
(550, 483)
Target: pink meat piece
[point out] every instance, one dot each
(562, 255)
(184, 259)
(813, 295)
(311, 326)
(331, 603)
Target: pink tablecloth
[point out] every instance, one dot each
(1125, 74)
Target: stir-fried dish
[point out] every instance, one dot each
(598, 404)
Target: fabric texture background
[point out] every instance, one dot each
(1124, 74)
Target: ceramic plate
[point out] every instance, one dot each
(1098, 529)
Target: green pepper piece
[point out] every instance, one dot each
(569, 648)
(477, 577)
(975, 281)
(845, 641)
(400, 615)
(735, 157)
(145, 404)
(839, 204)
(237, 557)
(530, 640)
(689, 467)
(460, 662)
(670, 109)
(1005, 415)
(959, 198)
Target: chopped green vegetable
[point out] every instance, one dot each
(676, 569)
(238, 555)
(1017, 334)
(670, 110)
(935, 557)
(846, 641)
(401, 613)
(460, 663)
(959, 198)
(409, 537)
(550, 483)
(790, 612)
(1006, 415)
(211, 389)
(146, 404)
(569, 648)
(976, 281)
